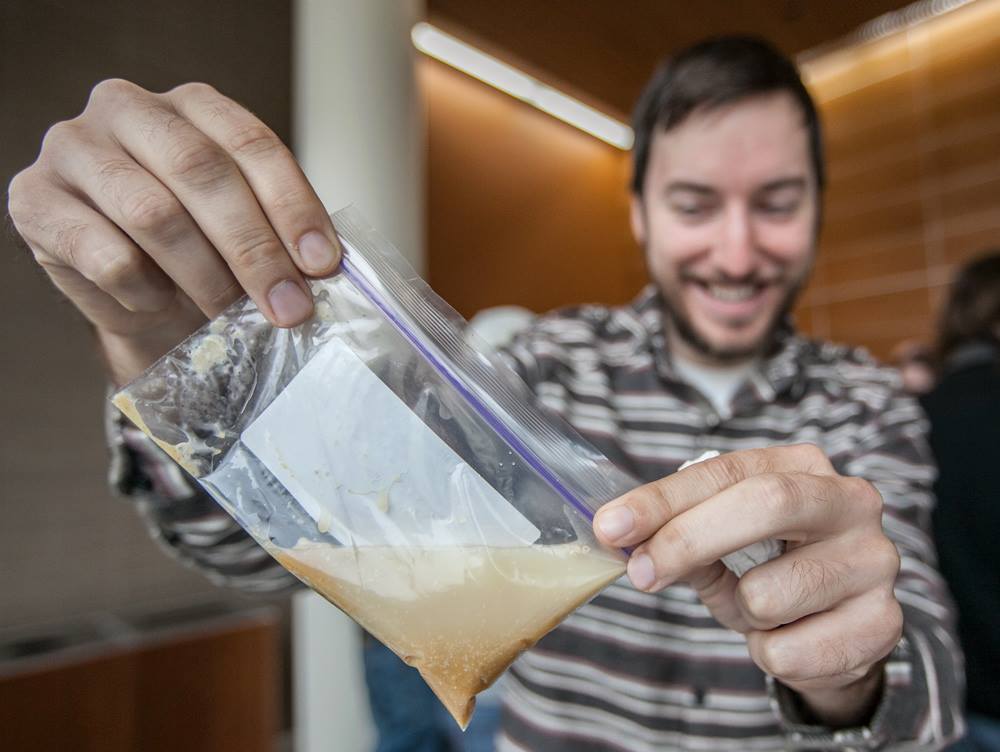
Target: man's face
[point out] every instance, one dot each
(728, 222)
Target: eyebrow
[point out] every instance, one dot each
(686, 186)
(777, 185)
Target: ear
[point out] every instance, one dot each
(637, 219)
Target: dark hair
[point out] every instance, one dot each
(972, 310)
(713, 73)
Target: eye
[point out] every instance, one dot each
(779, 206)
(779, 209)
(693, 210)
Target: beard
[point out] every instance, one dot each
(684, 328)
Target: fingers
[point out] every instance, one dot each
(281, 188)
(87, 255)
(207, 185)
(788, 506)
(831, 649)
(641, 512)
(814, 578)
(134, 200)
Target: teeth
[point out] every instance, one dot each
(731, 294)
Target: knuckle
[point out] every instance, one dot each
(21, 205)
(887, 559)
(778, 493)
(253, 140)
(894, 621)
(676, 542)
(199, 164)
(755, 594)
(194, 89)
(651, 508)
(221, 298)
(112, 90)
(298, 204)
(758, 461)
(778, 657)
(812, 457)
(866, 497)
(117, 271)
(152, 211)
(59, 136)
(254, 248)
(723, 471)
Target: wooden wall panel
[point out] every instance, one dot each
(206, 687)
(522, 209)
(913, 126)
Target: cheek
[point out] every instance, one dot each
(791, 243)
(670, 245)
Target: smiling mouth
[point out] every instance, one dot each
(732, 293)
(727, 292)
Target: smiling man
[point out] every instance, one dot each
(843, 641)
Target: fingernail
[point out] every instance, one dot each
(318, 253)
(640, 571)
(615, 523)
(289, 303)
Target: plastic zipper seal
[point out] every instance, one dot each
(434, 330)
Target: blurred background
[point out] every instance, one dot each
(107, 644)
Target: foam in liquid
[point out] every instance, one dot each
(460, 615)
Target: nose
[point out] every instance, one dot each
(735, 255)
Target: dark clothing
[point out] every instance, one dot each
(964, 410)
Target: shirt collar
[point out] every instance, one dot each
(781, 368)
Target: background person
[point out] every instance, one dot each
(964, 410)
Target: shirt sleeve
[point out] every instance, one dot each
(921, 704)
(183, 518)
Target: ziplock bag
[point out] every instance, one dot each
(392, 466)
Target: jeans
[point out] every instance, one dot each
(409, 718)
(982, 735)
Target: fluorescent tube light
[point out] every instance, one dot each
(456, 53)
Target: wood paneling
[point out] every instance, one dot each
(208, 689)
(606, 50)
(913, 123)
(522, 209)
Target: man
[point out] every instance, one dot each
(152, 211)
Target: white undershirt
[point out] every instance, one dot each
(719, 384)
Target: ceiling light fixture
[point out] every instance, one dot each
(466, 58)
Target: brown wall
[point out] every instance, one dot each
(522, 209)
(913, 130)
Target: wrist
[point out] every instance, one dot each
(847, 706)
(128, 355)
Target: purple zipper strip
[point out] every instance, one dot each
(477, 404)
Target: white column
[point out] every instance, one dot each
(358, 132)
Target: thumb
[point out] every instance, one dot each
(716, 587)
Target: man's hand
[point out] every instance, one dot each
(152, 211)
(822, 617)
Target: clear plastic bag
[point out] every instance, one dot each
(390, 465)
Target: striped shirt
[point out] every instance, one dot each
(638, 671)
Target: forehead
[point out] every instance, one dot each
(736, 146)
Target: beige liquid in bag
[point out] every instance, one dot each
(460, 615)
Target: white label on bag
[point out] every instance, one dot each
(368, 470)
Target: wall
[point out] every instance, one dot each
(912, 126)
(522, 209)
(66, 545)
